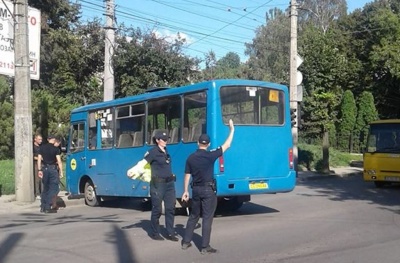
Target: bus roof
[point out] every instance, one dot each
(385, 121)
(166, 91)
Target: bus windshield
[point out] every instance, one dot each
(384, 137)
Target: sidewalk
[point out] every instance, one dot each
(8, 203)
(339, 171)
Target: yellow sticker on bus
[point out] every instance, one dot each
(274, 95)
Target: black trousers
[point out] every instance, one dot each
(159, 192)
(51, 187)
(204, 201)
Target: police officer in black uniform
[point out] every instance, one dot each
(200, 166)
(50, 170)
(162, 186)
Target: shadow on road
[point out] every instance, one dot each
(354, 188)
(248, 208)
(123, 247)
(8, 245)
(141, 204)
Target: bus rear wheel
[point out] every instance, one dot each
(229, 204)
(91, 198)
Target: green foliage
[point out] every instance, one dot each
(356, 53)
(228, 67)
(7, 181)
(310, 157)
(6, 120)
(322, 70)
(7, 178)
(375, 41)
(71, 62)
(347, 120)
(50, 113)
(230, 60)
(143, 60)
(366, 113)
(269, 52)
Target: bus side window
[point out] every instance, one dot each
(195, 114)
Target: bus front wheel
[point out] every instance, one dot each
(91, 198)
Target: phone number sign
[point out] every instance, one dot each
(7, 40)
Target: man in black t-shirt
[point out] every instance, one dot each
(50, 170)
(200, 165)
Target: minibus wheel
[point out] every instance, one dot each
(91, 198)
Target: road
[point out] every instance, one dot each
(326, 220)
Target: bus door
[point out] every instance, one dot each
(76, 157)
(101, 153)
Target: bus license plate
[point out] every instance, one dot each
(392, 178)
(256, 186)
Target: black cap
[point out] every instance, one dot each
(51, 136)
(161, 135)
(204, 139)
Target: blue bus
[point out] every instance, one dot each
(107, 138)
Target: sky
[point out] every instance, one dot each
(219, 25)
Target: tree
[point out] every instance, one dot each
(366, 113)
(230, 60)
(346, 123)
(321, 13)
(228, 66)
(375, 40)
(211, 63)
(269, 51)
(324, 78)
(144, 60)
(6, 120)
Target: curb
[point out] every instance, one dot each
(349, 174)
(316, 176)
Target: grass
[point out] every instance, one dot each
(7, 179)
(310, 157)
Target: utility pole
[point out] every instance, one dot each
(109, 51)
(22, 106)
(293, 75)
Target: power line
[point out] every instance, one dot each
(231, 22)
(186, 27)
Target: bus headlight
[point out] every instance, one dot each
(371, 172)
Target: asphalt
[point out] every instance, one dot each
(8, 203)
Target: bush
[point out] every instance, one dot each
(310, 157)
